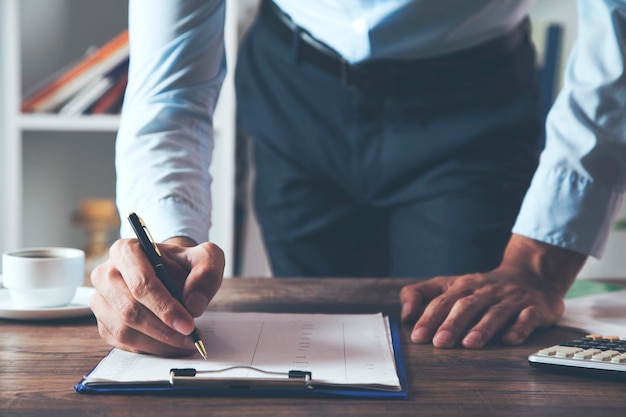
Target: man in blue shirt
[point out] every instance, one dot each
(390, 138)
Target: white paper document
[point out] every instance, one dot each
(338, 350)
(603, 314)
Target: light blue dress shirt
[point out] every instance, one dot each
(579, 184)
(165, 140)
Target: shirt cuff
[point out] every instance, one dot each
(566, 209)
(171, 218)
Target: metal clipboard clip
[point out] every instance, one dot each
(189, 377)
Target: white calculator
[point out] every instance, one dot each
(593, 355)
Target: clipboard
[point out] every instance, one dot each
(293, 383)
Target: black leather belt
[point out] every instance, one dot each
(381, 76)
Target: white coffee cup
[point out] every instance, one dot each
(43, 277)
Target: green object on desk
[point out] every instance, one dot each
(584, 287)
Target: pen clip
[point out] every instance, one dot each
(150, 238)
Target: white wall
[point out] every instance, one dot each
(563, 12)
(52, 160)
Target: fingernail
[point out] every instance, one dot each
(443, 339)
(420, 335)
(196, 303)
(473, 339)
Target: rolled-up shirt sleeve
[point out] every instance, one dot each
(578, 187)
(165, 140)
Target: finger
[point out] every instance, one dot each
(119, 312)
(529, 319)
(205, 277)
(461, 315)
(413, 296)
(433, 316)
(494, 319)
(133, 341)
(146, 289)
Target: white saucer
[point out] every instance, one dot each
(79, 307)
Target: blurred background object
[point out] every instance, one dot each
(100, 222)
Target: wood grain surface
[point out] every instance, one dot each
(40, 362)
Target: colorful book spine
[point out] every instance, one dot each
(111, 101)
(82, 101)
(70, 82)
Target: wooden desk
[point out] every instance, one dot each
(41, 362)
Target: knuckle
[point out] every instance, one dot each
(531, 313)
(499, 311)
(486, 289)
(466, 303)
(534, 315)
(442, 302)
(139, 287)
(119, 247)
(163, 308)
(409, 292)
(102, 274)
(472, 280)
(214, 254)
(516, 292)
(130, 313)
(98, 274)
(122, 334)
(215, 250)
(210, 249)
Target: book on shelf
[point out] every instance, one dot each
(85, 98)
(49, 95)
(111, 101)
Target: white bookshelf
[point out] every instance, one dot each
(52, 122)
(48, 163)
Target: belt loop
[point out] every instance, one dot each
(295, 44)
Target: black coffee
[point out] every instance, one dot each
(36, 254)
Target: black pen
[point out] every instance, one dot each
(154, 256)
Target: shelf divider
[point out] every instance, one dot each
(55, 122)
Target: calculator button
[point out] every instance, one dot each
(566, 351)
(586, 354)
(604, 356)
(551, 351)
(611, 338)
(619, 359)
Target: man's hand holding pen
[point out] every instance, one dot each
(135, 312)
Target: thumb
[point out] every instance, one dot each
(205, 276)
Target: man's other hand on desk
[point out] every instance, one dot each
(523, 294)
(135, 312)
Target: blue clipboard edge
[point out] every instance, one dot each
(167, 389)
